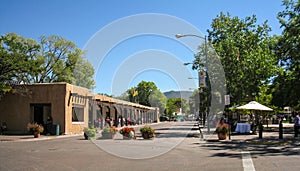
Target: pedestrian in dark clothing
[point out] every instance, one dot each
(49, 123)
(107, 121)
(296, 125)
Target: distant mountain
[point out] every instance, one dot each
(179, 94)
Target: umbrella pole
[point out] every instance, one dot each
(260, 127)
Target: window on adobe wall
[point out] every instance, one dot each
(77, 113)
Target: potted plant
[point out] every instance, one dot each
(147, 132)
(222, 130)
(89, 133)
(128, 133)
(35, 129)
(109, 132)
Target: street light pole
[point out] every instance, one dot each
(206, 69)
(199, 93)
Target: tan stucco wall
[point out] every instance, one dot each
(81, 98)
(15, 111)
(15, 108)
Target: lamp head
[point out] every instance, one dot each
(179, 35)
(187, 63)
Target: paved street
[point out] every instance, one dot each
(176, 147)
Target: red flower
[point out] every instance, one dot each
(126, 130)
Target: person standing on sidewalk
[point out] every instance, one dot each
(296, 125)
(49, 124)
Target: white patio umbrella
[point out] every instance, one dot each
(253, 105)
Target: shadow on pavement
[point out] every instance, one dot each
(268, 146)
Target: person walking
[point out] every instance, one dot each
(296, 125)
(49, 124)
(107, 121)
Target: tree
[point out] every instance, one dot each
(287, 84)
(83, 74)
(158, 99)
(124, 96)
(59, 58)
(18, 58)
(146, 93)
(174, 104)
(246, 53)
(194, 102)
(54, 59)
(142, 92)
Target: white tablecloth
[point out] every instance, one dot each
(242, 127)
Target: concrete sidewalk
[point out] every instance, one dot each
(4, 138)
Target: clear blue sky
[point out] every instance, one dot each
(122, 66)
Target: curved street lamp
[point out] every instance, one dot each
(186, 35)
(187, 63)
(205, 45)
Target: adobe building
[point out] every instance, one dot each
(72, 108)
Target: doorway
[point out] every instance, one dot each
(40, 112)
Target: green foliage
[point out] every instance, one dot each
(53, 59)
(286, 87)
(34, 127)
(111, 129)
(144, 90)
(124, 96)
(194, 102)
(246, 54)
(147, 129)
(59, 58)
(83, 74)
(171, 106)
(147, 132)
(174, 104)
(18, 58)
(158, 99)
(90, 133)
(146, 93)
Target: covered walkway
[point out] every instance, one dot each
(119, 112)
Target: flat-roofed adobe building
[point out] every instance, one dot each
(71, 107)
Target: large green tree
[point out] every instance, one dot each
(158, 99)
(61, 60)
(53, 59)
(246, 53)
(147, 93)
(18, 58)
(83, 74)
(174, 104)
(142, 92)
(287, 84)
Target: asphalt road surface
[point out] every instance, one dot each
(177, 146)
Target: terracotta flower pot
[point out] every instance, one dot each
(37, 135)
(147, 136)
(222, 136)
(129, 136)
